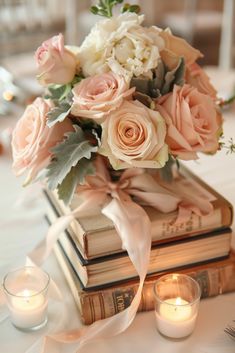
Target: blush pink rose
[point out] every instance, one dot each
(196, 77)
(32, 139)
(95, 97)
(134, 136)
(176, 46)
(193, 123)
(56, 64)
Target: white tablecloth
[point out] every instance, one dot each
(22, 225)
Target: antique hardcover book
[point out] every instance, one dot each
(115, 268)
(95, 235)
(215, 278)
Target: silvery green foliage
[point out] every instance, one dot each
(160, 84)
(62, 98)
(67, 155)
(58, 114)
(76, 176)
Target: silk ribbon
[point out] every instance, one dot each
(120, 202)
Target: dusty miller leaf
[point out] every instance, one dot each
(141, 84)
(77, 79)
(58, 92)
(174, 77)
(144, 99)
(76, 176)
(162, 82)
(67, 154)
(58, 114)
(155, 84)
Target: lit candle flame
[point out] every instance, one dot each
(178, 301)
(26, 294)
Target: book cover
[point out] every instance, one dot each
(95, 235)
(216, 277)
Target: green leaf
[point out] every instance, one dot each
(130, 8)
(67, 154)
(125, 8)
(141, 84)
(105, 7)
(144, 99)
(162, 82)
(58, 92)
(134, 8)
(76, 176)
(58, 114)
(230, 100)
(174, 77)
(155, 85)
(77, 79)
(180, 73)
(94, 10)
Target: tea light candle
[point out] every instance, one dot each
(28, 309)
(176, 315)
(175, 318)
(26, 293)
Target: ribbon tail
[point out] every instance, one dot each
(43, 249)
(38, 255)
(134, 228)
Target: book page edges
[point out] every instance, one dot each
(215, 278)
(116, 269)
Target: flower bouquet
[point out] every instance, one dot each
(118, 112)
(132, 94)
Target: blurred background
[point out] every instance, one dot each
(24, 24)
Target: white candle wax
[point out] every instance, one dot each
(175, 318)
(28, 309)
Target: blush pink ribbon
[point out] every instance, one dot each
(119, 203)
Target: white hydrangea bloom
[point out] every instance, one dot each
(122, 45)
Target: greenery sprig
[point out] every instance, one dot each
(105, 7)
(226, 102)
(229, 146)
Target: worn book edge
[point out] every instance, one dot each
(215, 278)
(112, 265)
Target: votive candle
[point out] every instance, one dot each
(26, 292)
(176, 305)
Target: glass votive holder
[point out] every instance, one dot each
(26, 291)
(177, 298)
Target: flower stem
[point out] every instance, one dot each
(105, 8)
(109, 8)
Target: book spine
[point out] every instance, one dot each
(102, 304)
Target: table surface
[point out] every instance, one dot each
(21, 227)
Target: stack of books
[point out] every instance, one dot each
(101, 275)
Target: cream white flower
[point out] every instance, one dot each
(122, 45)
